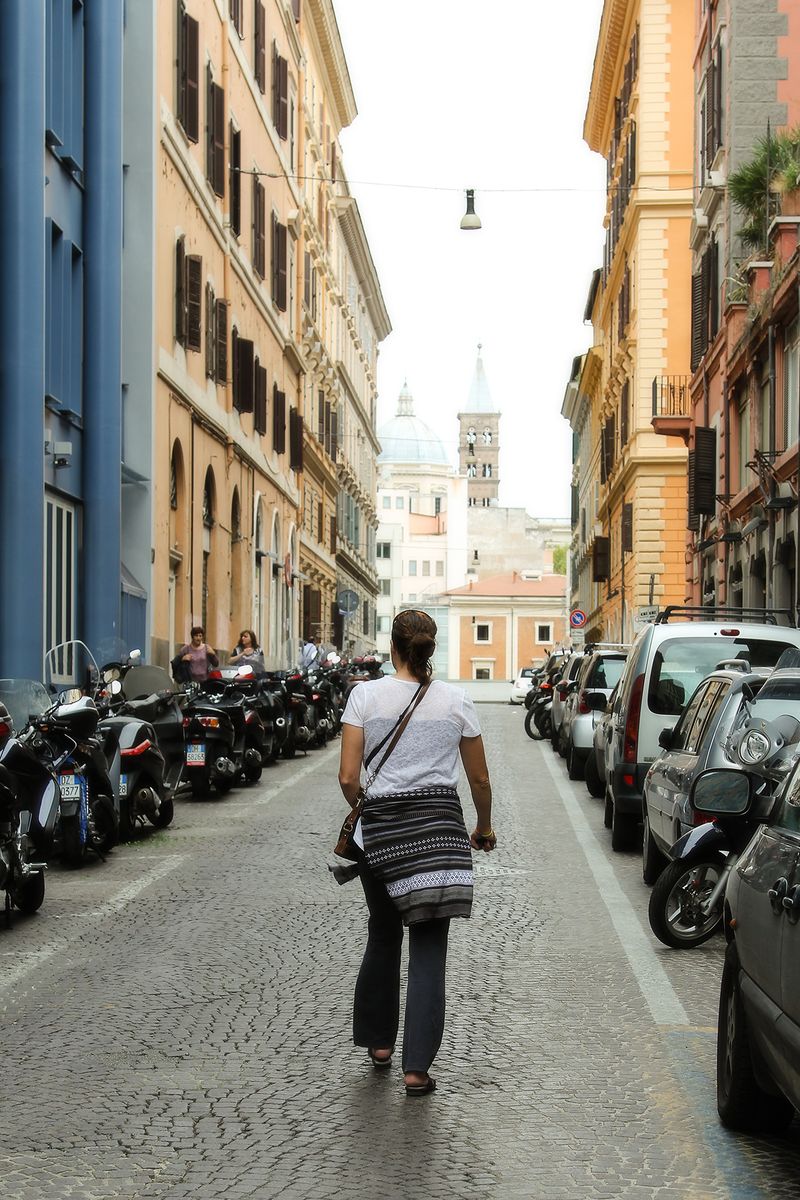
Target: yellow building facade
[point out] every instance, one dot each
(252, 99)
(630, 517)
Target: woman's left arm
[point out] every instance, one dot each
(350, 762)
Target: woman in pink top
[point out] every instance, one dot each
(196, 657)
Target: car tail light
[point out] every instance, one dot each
(215, 674)
(546, 687)
(583, 707)
(134, 750)
(631, 742)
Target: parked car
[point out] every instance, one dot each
(758, 1033)
(697, 742)
(599, 673)
(594, 769)
(667, 662)
(522, 685)
(561, 690)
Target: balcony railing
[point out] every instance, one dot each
(671, 396)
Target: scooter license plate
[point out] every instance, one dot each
(196, 754)
(123, 785)
(70, 787)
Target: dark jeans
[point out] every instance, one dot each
(376, 1011)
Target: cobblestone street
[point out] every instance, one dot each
(176, 1021)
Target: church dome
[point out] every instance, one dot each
(407, 439)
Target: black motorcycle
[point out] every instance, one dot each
(28, 811)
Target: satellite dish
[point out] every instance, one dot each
(347, 600)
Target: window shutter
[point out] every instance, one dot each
(236, 181)
(194, 301)
(321, 417)
(333, 534)
(692, 515)
(210, 115)
(624, 405)
(260, 47)
(713, 288)
(705, 293)
(260, 411)
(334, 434)
(320, 519)
(697, 320)
(327, 442)
(279, 264)
(295, 440)
(280, 299)
(218, 98)
(600, 559)
(278, 420)
(246, 375)
(296, 9)
(307, 281)
(275, 104)
(221, 338)
(237, 15)
(710, 114)
(191, 75)
(180, 291)
(603, 456)
(574, 505)
(211, 331)
(235, 365)
(705, 470)
(259, 227)
(627, 529)
(282, 124)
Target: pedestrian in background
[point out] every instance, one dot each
(248, 653)
(310, 653)
(192, 662)
(414, 850)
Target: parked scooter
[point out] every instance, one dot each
(686, 904)
(239, 699)
(538, 718)
(299, 710)
(148, 694)
(28, 811)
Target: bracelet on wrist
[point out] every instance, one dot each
(485, 836)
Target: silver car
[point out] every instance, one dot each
(598, 676)
(699, 741)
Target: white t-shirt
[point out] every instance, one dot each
(427, 753)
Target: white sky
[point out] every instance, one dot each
(463, 93)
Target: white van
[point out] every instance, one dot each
(667, 661)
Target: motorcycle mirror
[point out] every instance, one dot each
(135, 655)
(70, 696)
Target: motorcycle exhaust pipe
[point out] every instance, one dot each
(280, 722)
(303, 734)
(32, 868)
(252, 758)
(224, 766)
(324, 724)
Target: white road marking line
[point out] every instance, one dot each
(265, 798)
(115, 904)
(658, 992)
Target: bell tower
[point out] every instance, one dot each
(479, 441)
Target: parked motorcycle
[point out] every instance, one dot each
(538, 718)
(686, 904)
(28, 811)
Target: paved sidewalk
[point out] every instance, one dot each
(176, 1022)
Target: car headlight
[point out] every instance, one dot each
(754, 748)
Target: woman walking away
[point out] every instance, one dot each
(414, 857)
(248, 653)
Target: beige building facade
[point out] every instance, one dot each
(251, 99)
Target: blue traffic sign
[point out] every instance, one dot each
(577, 618)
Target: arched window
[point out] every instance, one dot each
(472, 470)
(487, 470)
(487, 436)
(236, 560)
(208, 500)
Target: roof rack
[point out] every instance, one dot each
(590, 647)
(764, 616)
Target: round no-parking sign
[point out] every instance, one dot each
(577, 618)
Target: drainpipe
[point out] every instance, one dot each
(727, 479)
(102, 366)
(22, 337)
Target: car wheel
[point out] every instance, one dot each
(624, 829)
(742, 1104)
(653, 861)
(574, 762)
(675, 912)
(594, 783)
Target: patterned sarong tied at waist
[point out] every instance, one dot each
(417, 845)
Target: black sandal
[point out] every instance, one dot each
(380, 1064)
(421, 1089)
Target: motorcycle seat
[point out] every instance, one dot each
(146, 708)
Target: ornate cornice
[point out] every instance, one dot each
(358, 246)
(615, 18)
(323, 20)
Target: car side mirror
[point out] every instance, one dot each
(722, 791)
(666, 739)
(595, 701)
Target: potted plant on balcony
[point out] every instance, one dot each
(767, 186)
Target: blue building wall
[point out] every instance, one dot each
(61, 213)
